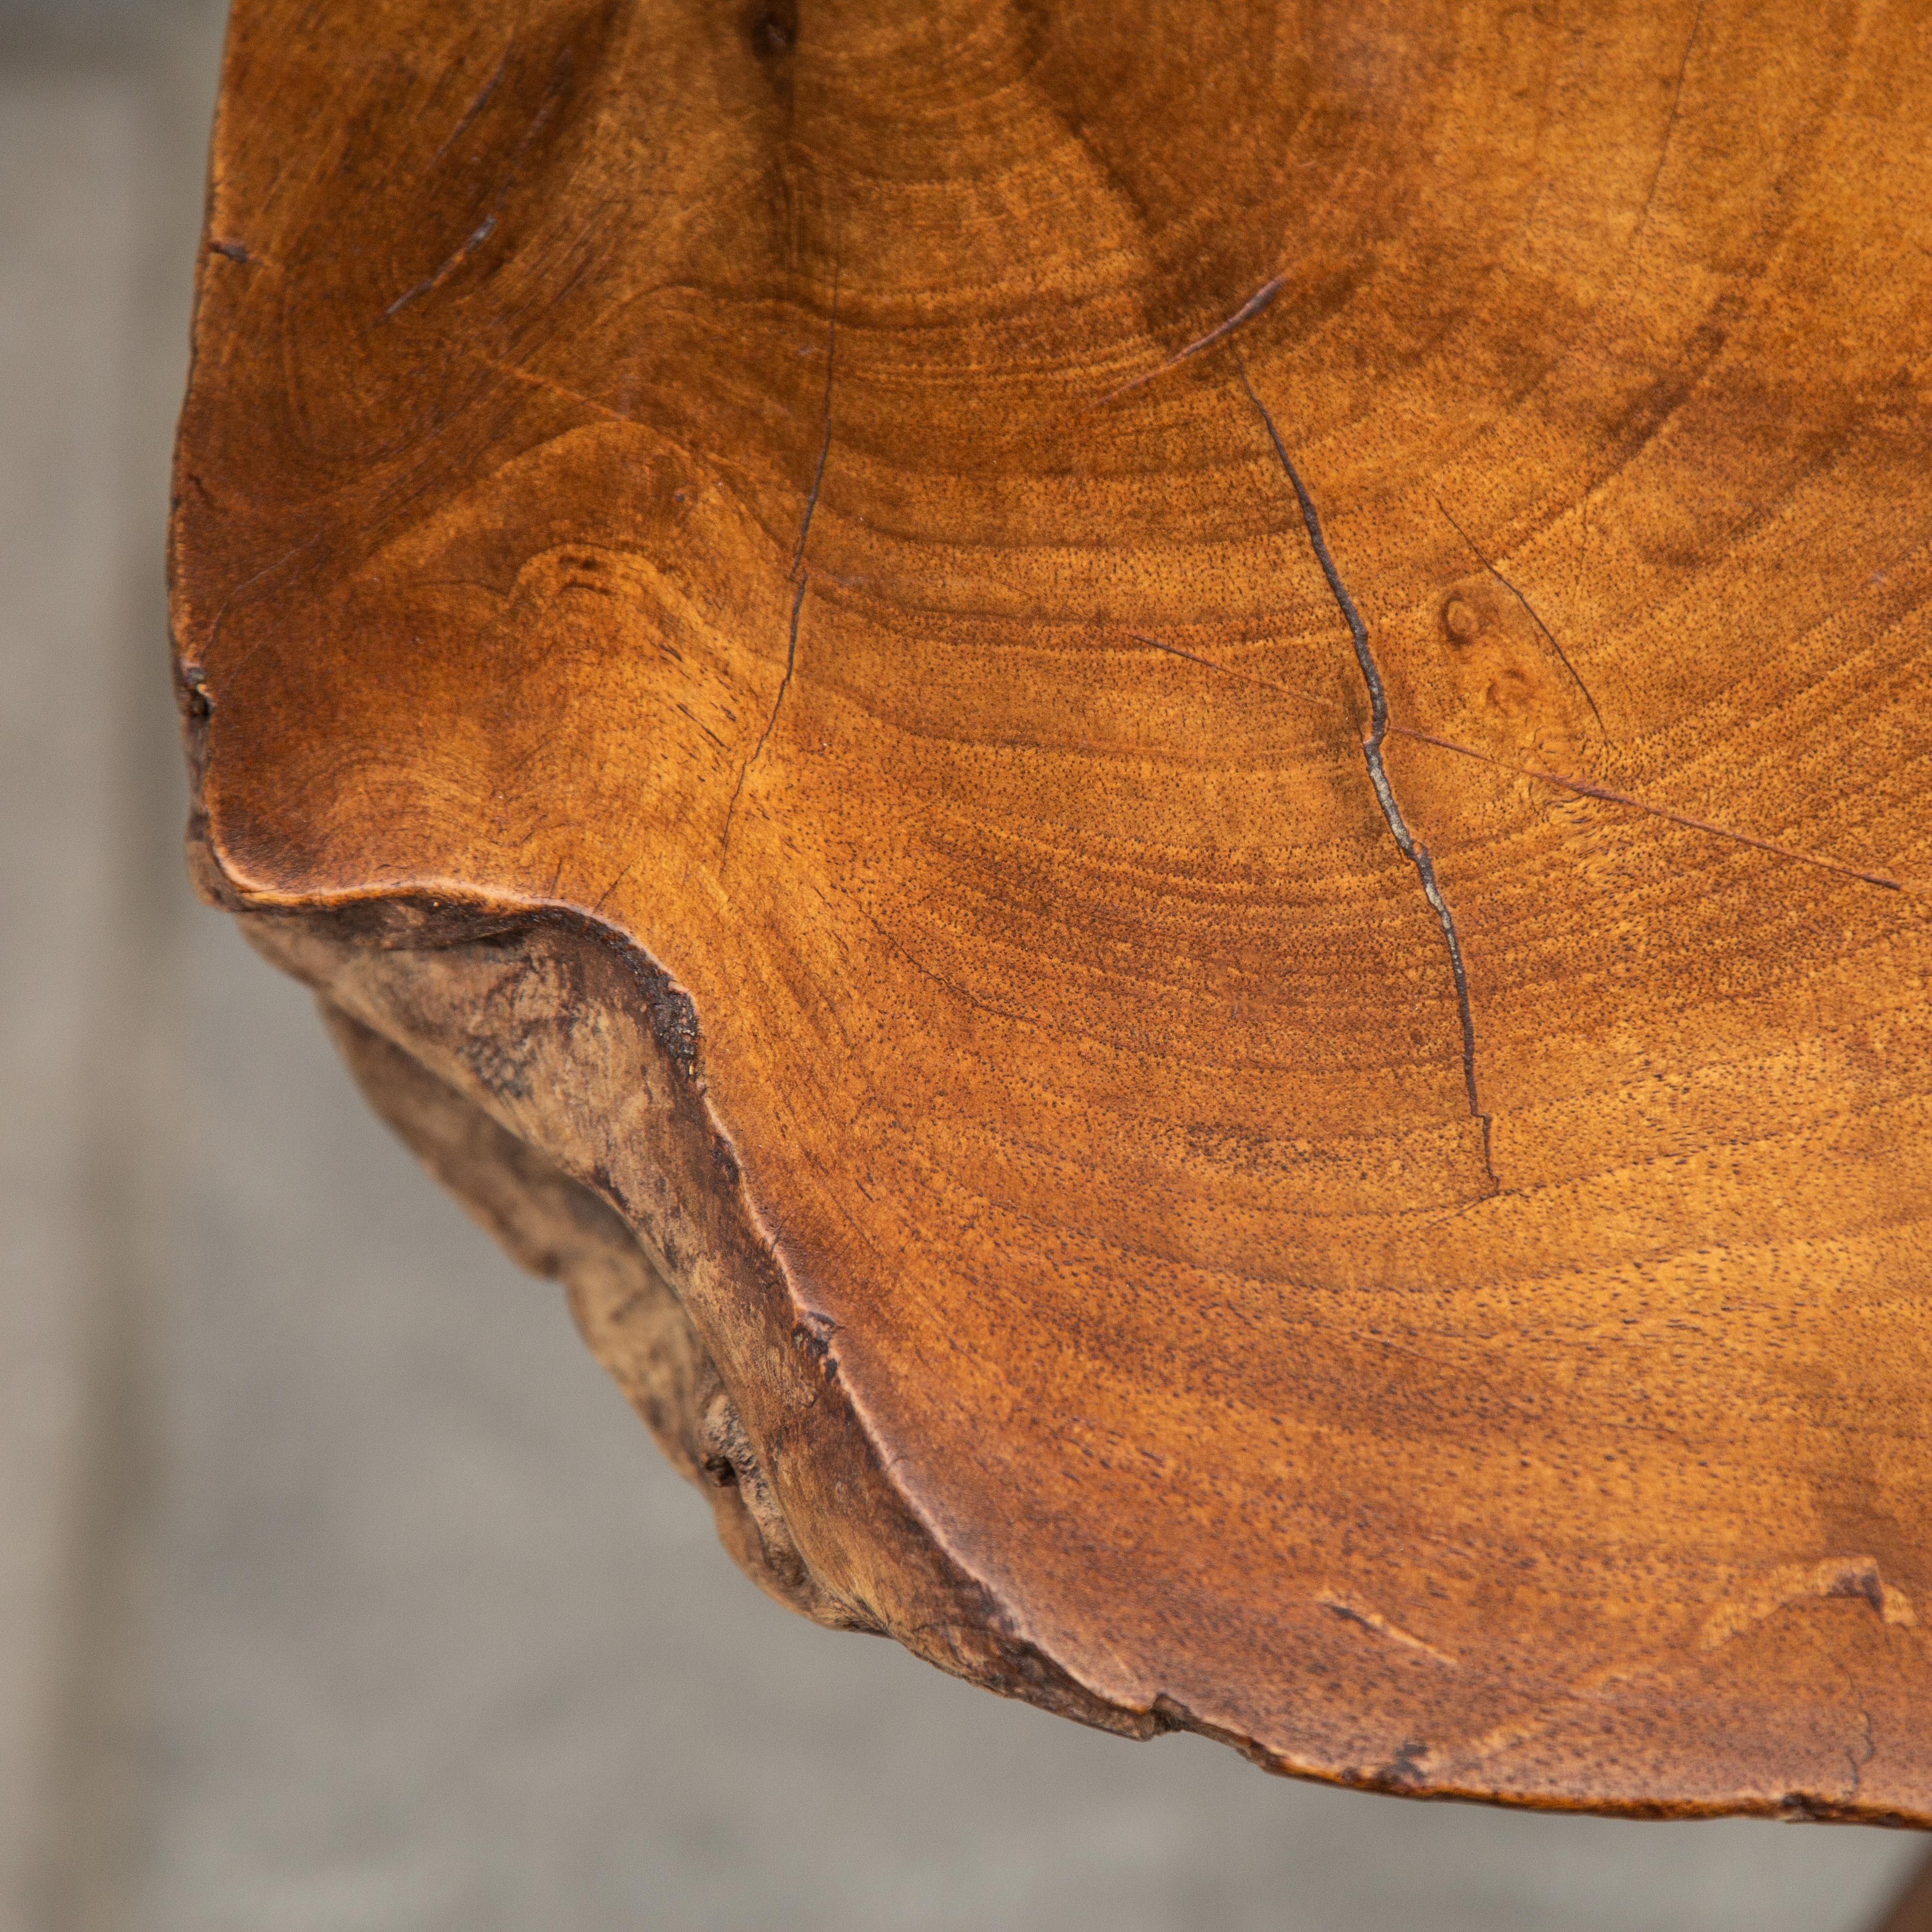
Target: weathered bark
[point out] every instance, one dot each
(625, 1309)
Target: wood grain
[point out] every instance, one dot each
(1190, 745)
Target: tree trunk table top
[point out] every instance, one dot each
(1155, 777)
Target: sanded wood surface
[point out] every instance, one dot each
(1190, 745)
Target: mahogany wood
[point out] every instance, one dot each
(1186, 748)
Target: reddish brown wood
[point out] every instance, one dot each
(1188, 746)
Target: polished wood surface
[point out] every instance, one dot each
(1190, 745)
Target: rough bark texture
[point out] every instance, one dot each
(1188, 746)
(625, 1309)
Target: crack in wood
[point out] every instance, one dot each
(1550, 636)
(798, 571)
(1248, 311)
(1411, 847)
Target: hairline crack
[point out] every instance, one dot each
(1412, 848)
(1248, 311)
(800, 576)
(1549, 635)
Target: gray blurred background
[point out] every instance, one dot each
(338, 1589)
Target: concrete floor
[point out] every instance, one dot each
(338, 1590)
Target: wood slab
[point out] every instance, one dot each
(1156, 777)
